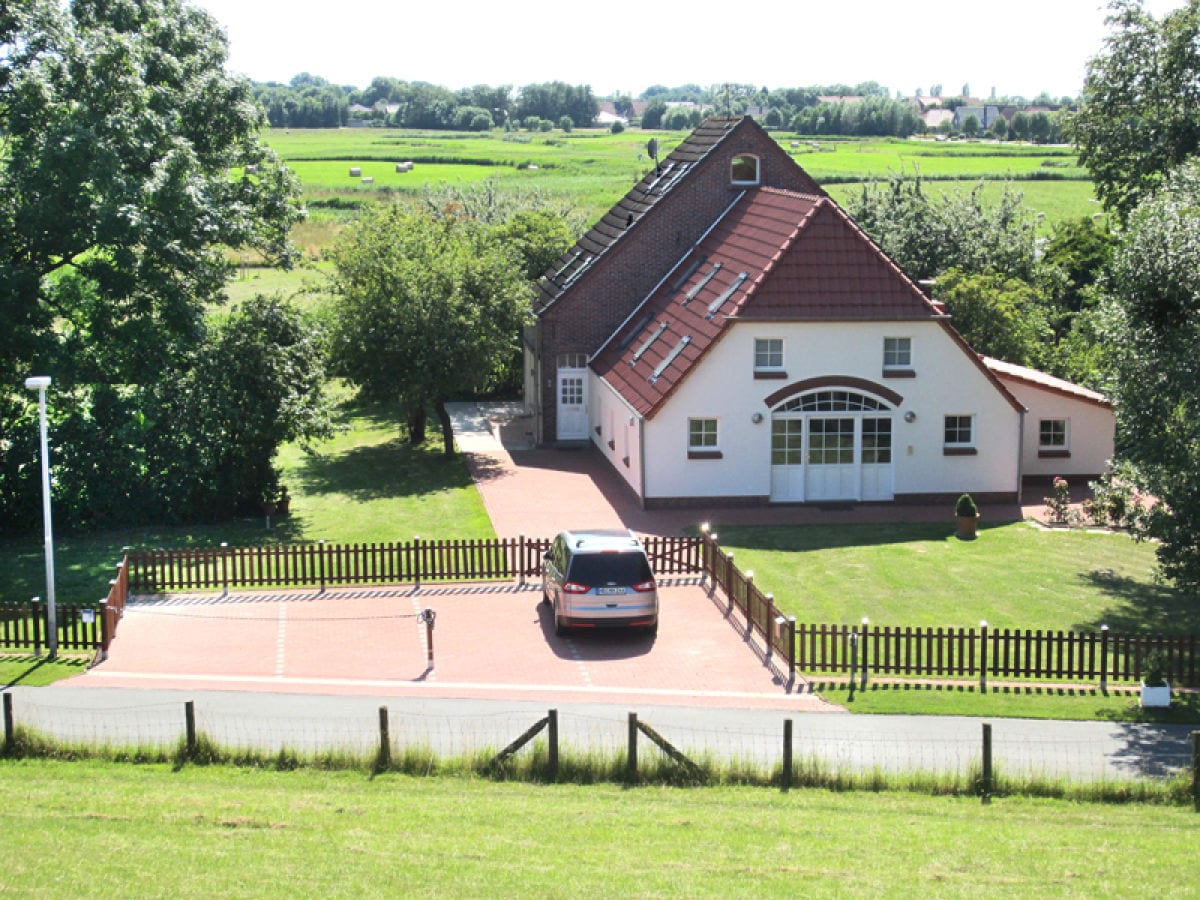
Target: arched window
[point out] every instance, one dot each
(831, 401)
(744, 169)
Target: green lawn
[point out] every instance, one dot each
(91, 829)
(1013, 576)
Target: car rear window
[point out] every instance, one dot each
(610, 568)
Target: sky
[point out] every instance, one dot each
(1019, 47)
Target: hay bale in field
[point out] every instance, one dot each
(368, 180)
(355, 172)
(404, 167)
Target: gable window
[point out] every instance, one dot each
(744, 169)
(1052, 438)
(702, 439)
(897, 357)
(768, 358)
(959, 436)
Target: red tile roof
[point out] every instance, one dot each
(1042, 380)
(619, 221)
(773, 255)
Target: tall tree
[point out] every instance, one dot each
(1152, 331)
(427, 309)
(130, 161)
(1138, 116)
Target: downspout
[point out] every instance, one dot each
(1021, 455)
(642, 458)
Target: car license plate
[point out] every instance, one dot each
(606, 591)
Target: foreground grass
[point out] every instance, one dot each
(1013, 576)
(250, 833)
(1027, 702)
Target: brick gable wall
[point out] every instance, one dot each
(588, 313)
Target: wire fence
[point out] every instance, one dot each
(1069, 751)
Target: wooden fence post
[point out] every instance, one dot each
(321, 562)
(749, 603)
(1103, 659)
(866, 626)
(9, 728)
(105, 634)
(416, 561)
(853, 661)
(987, 763)
(189, 724)
(224, 569)
(385, 741)
(704, 541)
(552, 735)
(631, 765)
(983, 658)
(521, 558)
(1195, 767)
(787, 754)
(37, 625)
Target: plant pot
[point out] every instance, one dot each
(967, 526)
(1156, 696)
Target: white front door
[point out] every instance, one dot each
(572, 414)
(876, 454)
(832, 467)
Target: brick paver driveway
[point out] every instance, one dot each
(489, 640)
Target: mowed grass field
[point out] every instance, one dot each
(93, 829)
(595, 168)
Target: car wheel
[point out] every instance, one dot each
(559, 628)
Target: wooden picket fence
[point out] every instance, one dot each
(991, 652)
(89, 627)
(406, 562)
(943, 652)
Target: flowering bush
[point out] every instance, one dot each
(1058, 506)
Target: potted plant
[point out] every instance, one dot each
(1156, 690)
(284, 505)
(966, 514)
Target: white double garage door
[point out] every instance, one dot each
(831, 445)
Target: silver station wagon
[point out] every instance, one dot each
(600, 578)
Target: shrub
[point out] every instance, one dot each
(966, 507)
(1154, 668)
(1058, 506)
(617, 127)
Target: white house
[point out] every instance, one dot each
(779, 355)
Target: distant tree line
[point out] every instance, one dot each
(308, 101)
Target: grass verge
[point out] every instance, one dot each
(1026, 702)
(28, 670)
(245, 833)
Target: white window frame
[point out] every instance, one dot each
(970, 443)
(1066, 434)
(703, 433)
(758, 342)
(898, 343)
(757, 169)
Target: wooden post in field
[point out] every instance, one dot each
(189, 719)
(987, 762)
(9, 728)
(385, 741)
(787, 754)
(631, 766)
(552, 728)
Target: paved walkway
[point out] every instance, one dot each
(540, 491)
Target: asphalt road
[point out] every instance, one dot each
(302, 722)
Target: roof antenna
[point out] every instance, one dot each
(652, 151)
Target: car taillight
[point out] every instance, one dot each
(644, 586)
(574, 587)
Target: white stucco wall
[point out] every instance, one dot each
(723, 386)
(619, 427)
(1090, 432)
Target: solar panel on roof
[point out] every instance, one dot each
(699, 286)
(726, 294)
(649, 342)
(671, 357)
